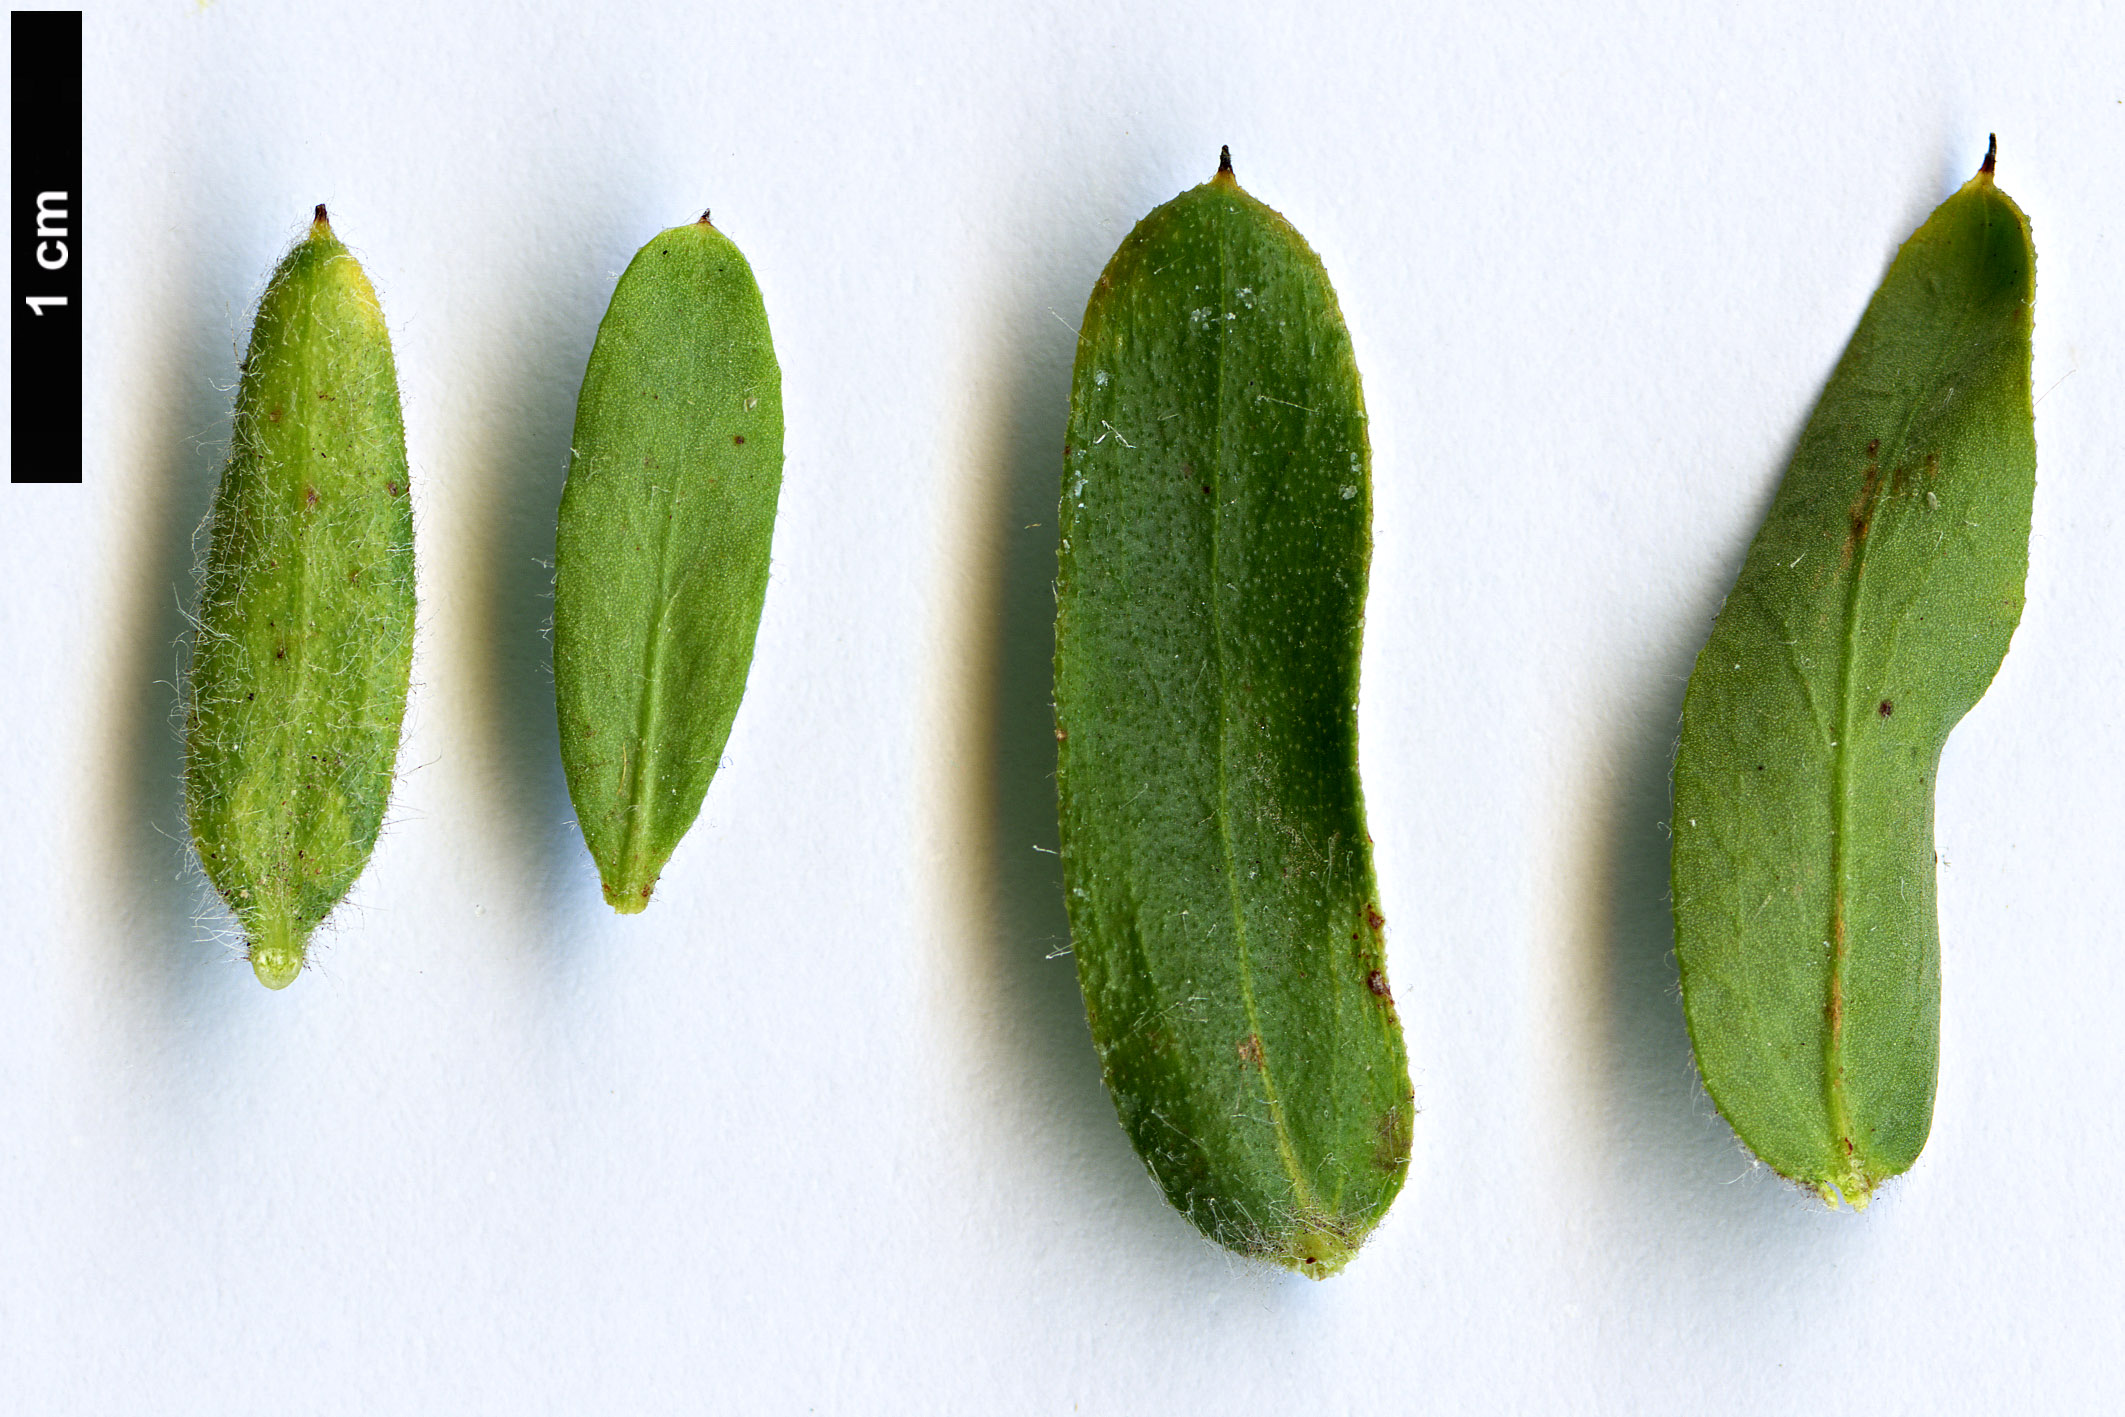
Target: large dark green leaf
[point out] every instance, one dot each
(1215, 537)
(1874, 608)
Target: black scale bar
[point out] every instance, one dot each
(45, 210)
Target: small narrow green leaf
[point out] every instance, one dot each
(1873, 610)
(661, 556)
(1216, 531)
(305, 634)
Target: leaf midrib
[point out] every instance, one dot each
(306, 346)
(649, 721)
(1888, 457)
(1286, 1152)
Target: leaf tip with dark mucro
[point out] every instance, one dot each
(318, 217)
(1224, 165)
(704, 218)
(1992, 155)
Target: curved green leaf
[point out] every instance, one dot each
(661, 556)
(305, 636)
(1216, 530)
(1873, 610)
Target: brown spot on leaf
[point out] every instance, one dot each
(1377, 982)
(738, 438)
(274, 415)
(1250, 1050)
(1886, 709)
(1861, 506)
(1373, 917)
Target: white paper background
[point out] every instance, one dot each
(823, 1130)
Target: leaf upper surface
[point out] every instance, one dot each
(1216, 533)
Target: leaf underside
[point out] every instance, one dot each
(661, 555)
(1215, 540)
(1872, 612)
(305, 626)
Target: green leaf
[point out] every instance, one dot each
(661, 556)
(305, 623)
(1216, 530)
(1873, 610)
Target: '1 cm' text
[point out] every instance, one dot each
(52, 253)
